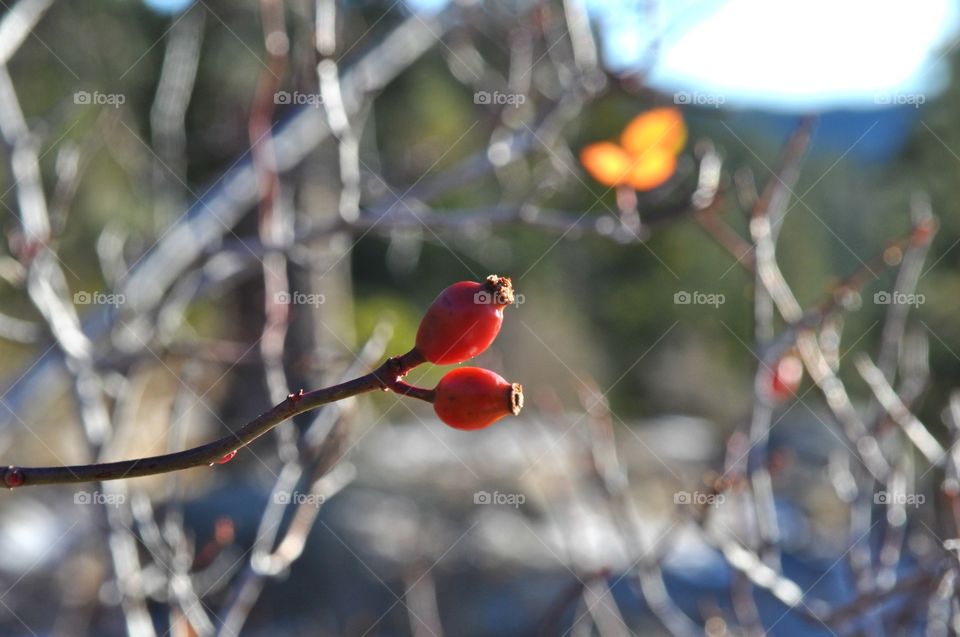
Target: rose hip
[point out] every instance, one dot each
(463, 320)
(474, 398)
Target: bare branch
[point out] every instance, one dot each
(915, 430)
(17, 24)
(385, 377)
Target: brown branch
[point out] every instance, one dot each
(728, 238)
(837, 298)
(772, 201)
(568, 223)
(550, 623)
(915, 584)
(921, 233)
(385, 377)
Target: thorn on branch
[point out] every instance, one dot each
(227, 457)
(13, 477)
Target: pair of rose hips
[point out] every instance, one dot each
(461, 323)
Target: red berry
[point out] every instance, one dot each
(463, 320)
(474, 398)
(786, 377)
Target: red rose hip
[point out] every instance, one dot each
(463, 320)
(474, 398)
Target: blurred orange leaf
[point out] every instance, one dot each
(607, 163)
(652, 169)
(647, 157)
(657, 129)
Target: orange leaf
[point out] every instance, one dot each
(657, 129)
(607, 163)
(652, 169)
